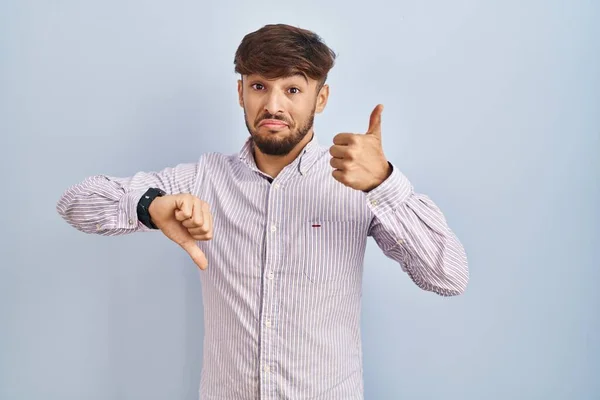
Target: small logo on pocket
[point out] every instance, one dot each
(316, 225)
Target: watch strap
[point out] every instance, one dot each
(144, 204)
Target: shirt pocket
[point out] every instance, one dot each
(331, 251)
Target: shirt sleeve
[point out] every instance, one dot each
(410, 229)
(107, 205)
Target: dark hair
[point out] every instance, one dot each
(277, 51)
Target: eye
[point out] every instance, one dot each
(296, 90)
(257, 86)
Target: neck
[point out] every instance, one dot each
(273, 165)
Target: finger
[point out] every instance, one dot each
(197, 231)
(198, 214)
(203, 237)
(338, 151)
(206, 217)
(197, 255)
(194, 221)
(339, 175)
(197, 217)
(208, 223)
(184, 208)
(343, 139)
(205, 231)
(338, 163)
(200, 234)
(205, 207)
(180, 215)
(375, 121)
(189, 223)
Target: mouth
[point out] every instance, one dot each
(273, 124)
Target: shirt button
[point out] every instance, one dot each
(374, 202)
(271, 275)
(130, 222)
(277, 186)
(273, 228)
(400, 241)
(98, 227)
(266, 368)
(268, 323)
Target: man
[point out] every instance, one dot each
(279, 230)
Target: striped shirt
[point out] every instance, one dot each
(282, 292)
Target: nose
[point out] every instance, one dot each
(274, 104)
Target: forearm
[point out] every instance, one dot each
(412, 230)
(108, 205)
(101, 206)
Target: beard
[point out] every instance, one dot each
(270, 144)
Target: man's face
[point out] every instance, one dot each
(280, 112)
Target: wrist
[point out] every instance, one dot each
(378, 180)
(145, 205)
(152, 209)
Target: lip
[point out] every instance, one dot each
(272, 123)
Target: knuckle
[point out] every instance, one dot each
(202, 205)
(184, 198)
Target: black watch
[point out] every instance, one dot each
(144, 205)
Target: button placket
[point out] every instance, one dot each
(270, 287)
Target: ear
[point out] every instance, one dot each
(322, 98)
(240, 93)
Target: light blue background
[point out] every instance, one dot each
(491, 108)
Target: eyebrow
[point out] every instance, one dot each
(302, 75)
(287, 77)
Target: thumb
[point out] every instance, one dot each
(195, 253)
(375, 121)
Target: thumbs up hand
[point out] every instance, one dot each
(358, 159)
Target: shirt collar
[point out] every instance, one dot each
(302, 163)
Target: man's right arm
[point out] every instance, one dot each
(107, 205)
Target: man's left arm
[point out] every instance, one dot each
(407, 226)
